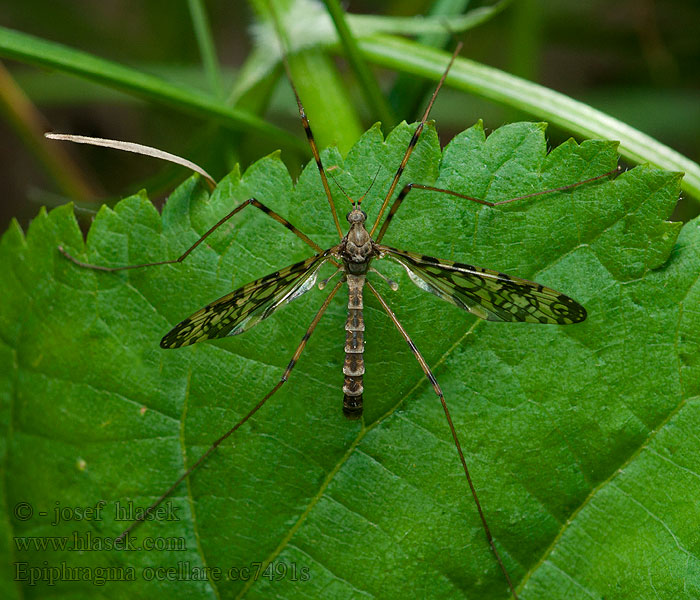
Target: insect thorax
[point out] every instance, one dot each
(357, 249)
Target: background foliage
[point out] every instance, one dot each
(634, 60)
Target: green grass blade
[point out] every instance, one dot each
(408, 94)
(540, 102)
(309, 27)
(326, 100)
(207, 48)
(368, 84)
(29, 49)
(418, 25)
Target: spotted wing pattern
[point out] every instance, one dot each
(238, 311)
(488, 294)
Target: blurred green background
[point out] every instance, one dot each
(638, 60)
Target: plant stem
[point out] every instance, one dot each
(368, 84)
(207, 49)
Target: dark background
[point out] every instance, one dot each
(638, 60)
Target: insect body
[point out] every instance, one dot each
(356, 252)
(487, 294)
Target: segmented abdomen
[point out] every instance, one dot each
(354, 366)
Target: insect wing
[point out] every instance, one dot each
(243, 308)
(488, 294)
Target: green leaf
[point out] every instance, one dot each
(581, 439)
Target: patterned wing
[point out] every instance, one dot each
(238, 311)
(488, 294)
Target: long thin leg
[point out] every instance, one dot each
(305, 122)
(314, 151)
(438, 391)
(255, 409)
(417, 186)
(250, 201)
(414, 140)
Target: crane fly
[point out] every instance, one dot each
(488, 294)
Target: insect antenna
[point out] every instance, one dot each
(340, 187)
(355, 203)
(370, 186)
